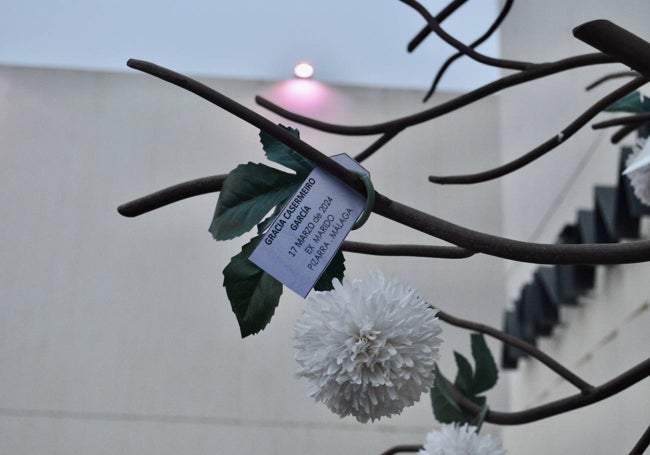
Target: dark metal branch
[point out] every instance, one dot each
(379, 143)
(251, 117)
(628, 252)
(610, 76)
(606, 390)
(461, 47)
(422, 251)
(537, 72)
(625, 131)
(643, 443)
(518, 343)
(214, 184)
(480, 40)
(172, 194)
(616, 42)
(627, 120)
(547, 146)
(441, 16)
(536, 253)
(402, 448)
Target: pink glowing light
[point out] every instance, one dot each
(303, 70)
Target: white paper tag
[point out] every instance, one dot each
(305, 236)
(643, 159)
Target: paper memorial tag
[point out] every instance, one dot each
(643, 159)
(302, 240)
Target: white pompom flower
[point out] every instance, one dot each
(640, 178)
(367, 347)
(460, 440)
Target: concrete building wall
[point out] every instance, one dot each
(607, 333)
(116, 334)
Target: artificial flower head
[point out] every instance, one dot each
(460, 440)
(639, 178)
(367, 347)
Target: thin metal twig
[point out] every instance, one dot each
(518, 343)
(637, 251)
(480, 40)
(545, 147)
(621, 382)
(641, 446)
(441, 16)
(621, 134)
(627, 120)
(609, 77)
(461, 47)
(538, 72)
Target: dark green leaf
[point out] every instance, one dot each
(478, 419)
(486, 374)
(253, 293)
(335, 270)
(634, 102)
(445, 408)
(283, 154)
(464, 377)
(249, 192)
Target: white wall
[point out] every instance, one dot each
(607, 333)
(116, 335)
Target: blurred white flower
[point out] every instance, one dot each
(460, 440)
(367, 347)
(640, 178)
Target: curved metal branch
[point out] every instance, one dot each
(616, 42)
(461, 47)
(408, 448)
(643, 443)
(544, 358)
(477, 42)
(547, 146)
(537, 72)
(625, 131)
(422, 251)
(606, 390)
(628, 252)
(214, 184)
(627, 120)
(379, 143)
(441, 16)
(172, 194)
(610, 76)
(536, 253)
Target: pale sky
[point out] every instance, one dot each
(360, 42)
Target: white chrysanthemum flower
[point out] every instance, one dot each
(367, 347)
(460, 440)
(640, 178)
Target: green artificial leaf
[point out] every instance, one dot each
(335, 270)
(464, 377)
(253, 293)
(486, 374)
(249, 192)
(478, 419)
(283, 154)
(634, 102)
(445, 408)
